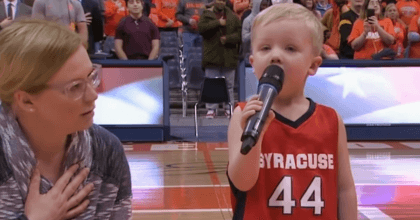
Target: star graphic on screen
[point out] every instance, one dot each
(349, 80)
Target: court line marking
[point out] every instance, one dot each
(374, 213)
(219, 148)
(370, 212)
(227, 185)
(180, 210)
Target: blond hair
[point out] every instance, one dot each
(31, 52)
(295, 12)
(388, 7)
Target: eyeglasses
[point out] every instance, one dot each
(77, 88)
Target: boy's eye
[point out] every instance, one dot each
(265, 48)
(290, 48)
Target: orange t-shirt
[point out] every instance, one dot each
(373, 43)
(334, 40)
(165, 10)
(400, 34)
(407, 10)
(328, 50)
(113, 15)
(415, 47)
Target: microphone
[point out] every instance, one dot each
(271, 83)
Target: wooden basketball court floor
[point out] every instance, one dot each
(188, 180)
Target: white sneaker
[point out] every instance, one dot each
(211, 113)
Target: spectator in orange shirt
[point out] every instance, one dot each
(414, 38)
(115, 10)
(331, 20)
(370, 35)
(407, 9)
(165, 10)
(400, 28)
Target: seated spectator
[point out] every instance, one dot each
(13, 9)
(69, 13)
(221, 31)
(95, 24)
(391, 12)
(322, 6)
(347, 20)
(115, 10)
(258, 5)
(136, 36)
(407, 9)
(240, 6)
(310, 5)
(414, 38)
(165, 10)
(370, 35)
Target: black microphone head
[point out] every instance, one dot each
(273, 75)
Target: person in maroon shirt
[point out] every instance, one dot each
(136, 36)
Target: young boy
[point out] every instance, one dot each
(299, 168)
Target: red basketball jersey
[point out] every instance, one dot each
(298, 170)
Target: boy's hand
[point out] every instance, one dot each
(418, 22)
(61, 202)
(251, 107)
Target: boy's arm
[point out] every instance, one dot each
(243, 170)
(347, 199)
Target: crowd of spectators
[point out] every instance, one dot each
(132, 29)
(354, 29)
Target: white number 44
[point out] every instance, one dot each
(287, 202)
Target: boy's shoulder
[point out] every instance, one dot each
(316, 105)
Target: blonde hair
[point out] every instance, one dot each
(31, 52)
(388, 7)
(295, 12)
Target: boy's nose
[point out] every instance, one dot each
(275, 58)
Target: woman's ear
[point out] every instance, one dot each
(23, 101)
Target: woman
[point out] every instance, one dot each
(400, 29)
(370, 35)
(47, 92)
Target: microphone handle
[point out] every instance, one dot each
(256, 122)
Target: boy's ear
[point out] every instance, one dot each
(316, 62)
(251, 59)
